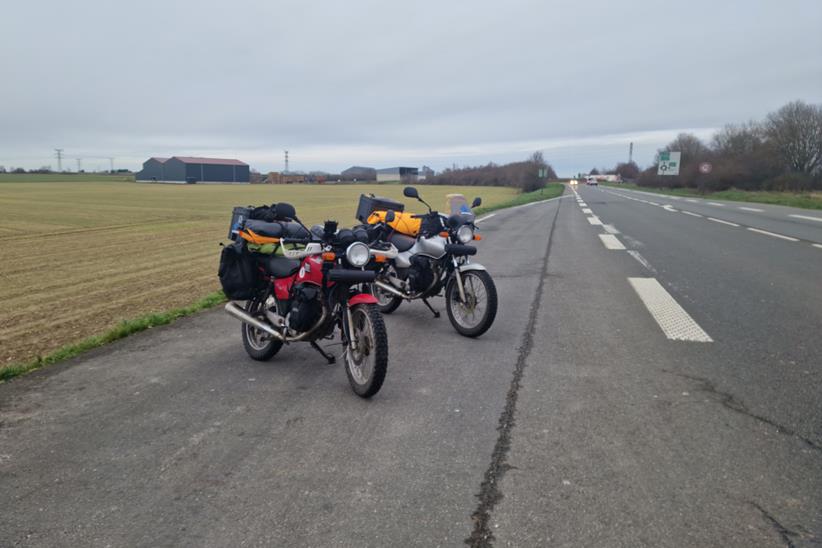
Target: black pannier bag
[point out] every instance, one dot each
(370, 204)
(238, 272)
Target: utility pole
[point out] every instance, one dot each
(59, 155)
(79, 165)
(111, 164)
(631, 152)
(286, 162)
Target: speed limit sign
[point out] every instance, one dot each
(705, 167)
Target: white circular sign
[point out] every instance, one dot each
(705, 167)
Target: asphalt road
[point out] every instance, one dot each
(576, 420)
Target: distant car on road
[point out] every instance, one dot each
(573, 182)
(591, 181)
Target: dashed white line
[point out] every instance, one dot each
(755, 210)
(723, 222)
(716, 204)
(583, 204)
(807, 217)
(610, 229)
(641, 260)
(586, 210)
(610, 241)
(765, 232)
(817, 245)
(594, 220)
(692, 200)
(677, 324)
(692, 214)
(484, 218)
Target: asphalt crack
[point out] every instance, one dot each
(490, 493)
(786, 534)
(728, 401)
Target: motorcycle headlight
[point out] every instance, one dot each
(465, 234)
(357, 254)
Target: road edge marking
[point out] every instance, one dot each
(675, 322)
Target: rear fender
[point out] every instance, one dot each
(362, 298)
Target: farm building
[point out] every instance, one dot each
(404, 174)
(188, 169)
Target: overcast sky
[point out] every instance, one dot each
(383, 83)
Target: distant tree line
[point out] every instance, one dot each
(782, 152)
(523, 175)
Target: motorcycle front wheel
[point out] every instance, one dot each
(474, 316)
(258, 344)
(366, 360)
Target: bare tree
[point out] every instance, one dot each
(796, 133)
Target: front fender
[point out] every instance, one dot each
(362, 298)
(471, 266)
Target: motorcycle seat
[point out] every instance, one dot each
(402, 243)
(279, 267)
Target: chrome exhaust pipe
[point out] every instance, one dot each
(243, 316)
(390, 289)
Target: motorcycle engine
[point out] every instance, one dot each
(306, 308)
(420, 274)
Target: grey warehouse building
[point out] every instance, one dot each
(189, 169)
(404, 174)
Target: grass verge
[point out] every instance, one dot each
(804, 200)
(123, 329)
(551, 190)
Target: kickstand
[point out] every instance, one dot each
(431, 308)
(331, 359)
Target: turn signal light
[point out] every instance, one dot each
(444, 234)
(329, 256)
(477, 237)
(380, 258)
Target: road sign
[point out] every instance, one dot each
(668, 163)
(705, 167)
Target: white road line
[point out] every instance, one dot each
(674, 197)
(817, 245)
(677, 324)
(691, 213)
(586, 210)
(641, 260)
(755, 210)
(765, 232)
(721, 221)
(653, 203)
(594, 220)
(716, 204)
(806, 217)
(610, 241)
(583, 204)
(484, 218)
(669, 207)
(692, 200)
(610, 229)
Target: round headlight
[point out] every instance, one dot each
(465, 234)
(357, 254)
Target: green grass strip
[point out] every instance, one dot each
(791, 199)
(123, 329)
(551, 190)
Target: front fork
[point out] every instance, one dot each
(459, 279)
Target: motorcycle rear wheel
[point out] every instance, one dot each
(475, 316)
(366, 365)
(259, 345)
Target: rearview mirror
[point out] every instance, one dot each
(390, 216)
(410, 192)
(476, 203)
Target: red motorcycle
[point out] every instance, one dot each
(307, 293)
